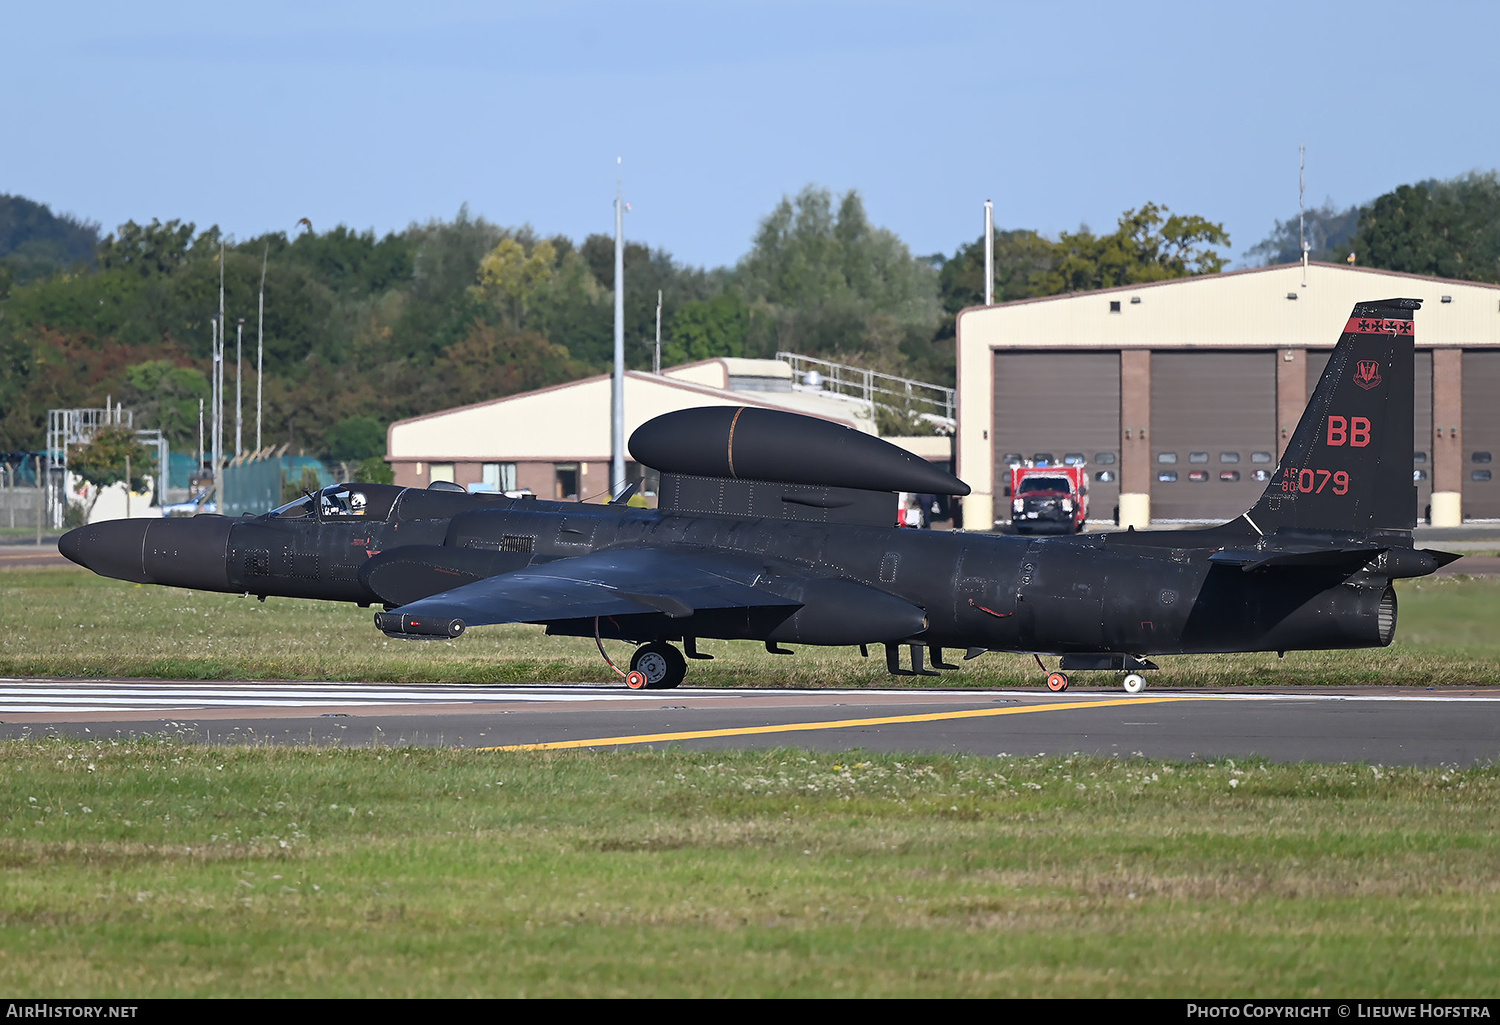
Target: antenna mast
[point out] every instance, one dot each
(1301, 207)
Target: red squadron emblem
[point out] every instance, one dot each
(1367, 374)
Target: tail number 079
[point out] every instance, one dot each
(1312, 482)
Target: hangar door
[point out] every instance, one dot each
(1213, 432)
(1481, 435)
(1421, 466)
(1065, 406)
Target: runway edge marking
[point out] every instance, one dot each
(839, 724)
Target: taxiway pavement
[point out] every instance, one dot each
(1388, 726)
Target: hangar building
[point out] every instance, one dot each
(1181, 395)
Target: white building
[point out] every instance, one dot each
(556, 441)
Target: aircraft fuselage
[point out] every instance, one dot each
(1149, 592)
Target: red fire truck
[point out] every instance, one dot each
(1048, 498)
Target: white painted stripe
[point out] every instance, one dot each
(56, 696)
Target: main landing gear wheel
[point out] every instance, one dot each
(660, 667)
(1135, 683)
(1057, 682)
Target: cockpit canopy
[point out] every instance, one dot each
(342, 502)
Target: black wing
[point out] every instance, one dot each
(609, 583)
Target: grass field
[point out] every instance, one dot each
(160, 867)
(69, 622)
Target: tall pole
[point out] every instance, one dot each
(657, 368)
(219, 408)
(239, 378)
(989, 253)
(260, 341)
(218, 428)
(1301, 207)
(617, 392)
(213, 397)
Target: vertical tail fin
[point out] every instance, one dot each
(1348, 466)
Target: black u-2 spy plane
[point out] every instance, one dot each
(778, 528)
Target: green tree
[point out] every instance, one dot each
(166, 396)
(356, 438)
(822, 282)
(104, 460)
(439, 308)
(374, 470)
(1149, 244)
(703, 329)
(1326, 229)
(510, 277)
(155, 248)
(1449, 229)
(1021, 257)
(35, 242)
(492, 362)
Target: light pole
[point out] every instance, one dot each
(218, 411)
(617, 391)
(260, 341)
(239, 380)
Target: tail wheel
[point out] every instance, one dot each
(660, 665)
(1135, 683)
(1057, 682)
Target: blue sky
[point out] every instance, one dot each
(379, 114)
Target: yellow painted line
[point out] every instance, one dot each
(839, 724)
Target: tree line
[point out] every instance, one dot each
(362, 330)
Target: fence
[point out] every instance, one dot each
(254, 485)
(900, 394)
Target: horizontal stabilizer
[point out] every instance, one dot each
(1386, 561)
(1307, 558)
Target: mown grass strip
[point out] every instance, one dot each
(68, 622)
(162, 867)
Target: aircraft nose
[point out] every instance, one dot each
(112, 549)
(180, 553)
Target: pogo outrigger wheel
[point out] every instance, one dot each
(1056, 682)
(635, 679)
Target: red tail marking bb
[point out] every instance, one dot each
(1352, 431)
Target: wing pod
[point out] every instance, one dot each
(746, 443)
(399, 624)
